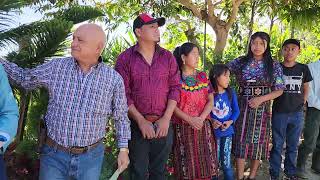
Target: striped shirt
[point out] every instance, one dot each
(80, 104)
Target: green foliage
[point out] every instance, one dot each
(38, 41)
(38, 107)
(78, 14)
(173, 36)
(7, 7)
(110, 159)
(115, 47)
(309, 54)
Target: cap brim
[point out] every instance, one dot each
(161, 21)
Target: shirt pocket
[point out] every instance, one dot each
(99, 100)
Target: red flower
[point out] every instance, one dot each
(202, 77)
(170, 169)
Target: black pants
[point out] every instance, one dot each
(3, 174)
(311, 142)
(148, 156)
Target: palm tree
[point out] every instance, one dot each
(7, 7)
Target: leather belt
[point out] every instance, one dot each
(151, 118)
(74, 149)
(254, 90)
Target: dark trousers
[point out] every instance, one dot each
(3, 174)
(311, 142)
(148, 157)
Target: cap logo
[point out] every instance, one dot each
(146, 18)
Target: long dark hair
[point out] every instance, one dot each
(267, 58)
(216, 71)
(184, 49)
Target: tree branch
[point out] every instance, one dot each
(210, 9)
(178, 18)
(198, 12)
(234, 12)
(217, 3)
(193, 7)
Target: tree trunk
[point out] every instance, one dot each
(190, 33)
(25, 98)
(221, 41)
(221, 27)
(24, 106)
(253, 10)
(271, 25)
(292, 32)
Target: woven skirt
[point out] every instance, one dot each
(252, 131)
(195, 153)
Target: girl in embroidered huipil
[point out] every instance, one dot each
(260, 80)
(194, 143)
(224, 114)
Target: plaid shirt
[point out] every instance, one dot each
(79, 104)
(149, 87)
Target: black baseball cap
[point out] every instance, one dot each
(291, 41)
(145, 18)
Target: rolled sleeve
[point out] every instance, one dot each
(122, 68)
(120, 114)
(174, 80)
(29, 78)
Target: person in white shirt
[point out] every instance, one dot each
(311, 142)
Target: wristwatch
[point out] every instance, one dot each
(124, 150)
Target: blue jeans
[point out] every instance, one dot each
(3, 174)
(285, 126)
(60, 165)
(224, 145)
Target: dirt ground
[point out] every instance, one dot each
(264, 171)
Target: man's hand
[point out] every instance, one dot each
(162, 126)
(196, 122)
(146, 128)
(226, 125)
(255, 102)
(123, 160)
(216, 124)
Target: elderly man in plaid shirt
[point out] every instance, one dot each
(84, 93)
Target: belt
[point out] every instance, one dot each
(74, 149)
(254, 90)
(151, 118)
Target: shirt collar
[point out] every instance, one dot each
(100, 62)
(136, 47)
